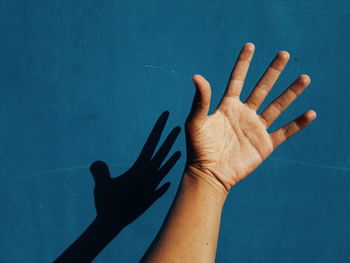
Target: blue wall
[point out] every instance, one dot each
(83, 80)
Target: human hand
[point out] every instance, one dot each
(233, 141)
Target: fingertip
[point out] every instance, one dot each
(311, 115)
(305, 79)
(284, 54)
(249, 46)
(197, 77)
(201, 83)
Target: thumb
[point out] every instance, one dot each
(100, 172)
(201, 100)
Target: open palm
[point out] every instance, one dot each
(229, 144)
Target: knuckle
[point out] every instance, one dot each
(279, 106)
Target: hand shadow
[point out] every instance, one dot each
(121, 200)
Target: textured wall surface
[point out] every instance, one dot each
(83, 80)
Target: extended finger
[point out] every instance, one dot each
(239, 71)
(271, 113)
(266, 82)
(290, 129)
(201, 101)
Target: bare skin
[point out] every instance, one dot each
(222, 149)
(233, 141)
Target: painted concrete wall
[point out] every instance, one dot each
(86, 80)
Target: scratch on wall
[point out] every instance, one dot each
(333, 167)
(86, 167)
(158, 68)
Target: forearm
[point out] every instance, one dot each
(190, 231)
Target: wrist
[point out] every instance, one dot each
(198, 176)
